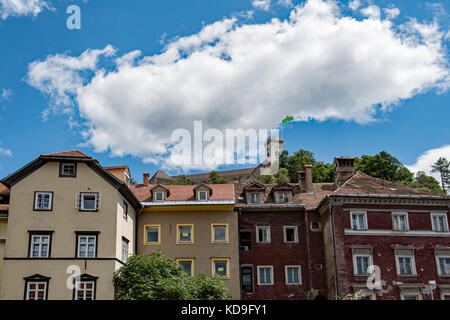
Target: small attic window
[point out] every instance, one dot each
(158, 196)
(393, 189)
(202, 195)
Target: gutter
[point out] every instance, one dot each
(336, 280)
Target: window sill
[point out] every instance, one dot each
(407, 275)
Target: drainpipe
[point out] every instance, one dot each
(336, 282)
(239, 253)
(138, 213)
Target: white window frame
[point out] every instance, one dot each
(295, 234)
(156, 193)
(37, 290)
(271, 275)
(68, 164)
(441, 256)
(410, 292)
(282, 195)
(32, 242)
(125, 253)
(365, 292)
(36, 200)
(85, 290)
(97, 201)
(355, 263)
(257, 198)
(299, 268)
(87, 245)
(444, 215)
(199, 198)
(413, 264)
(405, 214)
(267, 228)
(366, 224)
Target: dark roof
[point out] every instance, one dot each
(116, 167)
(223, 174)
(363, 184)
(184, 192)
(28, 169)
(161, 175)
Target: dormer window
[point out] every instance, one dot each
(68, 170)
(202, 195)
(159, 196)
(283, 197)
(255, 197)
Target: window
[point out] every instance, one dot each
(245, 240)
(365, 293)
(405, 262)
(36, 290)
(247, 279)
(400, 221)
(293, 275)
(68, 170)
(88, 201)
(219, 233)
(185, 234)
(255, 197)
(125, 245)
(152, 234)
(159, 196)
(410, 294)
(443, 261)
(439, 222)
(125, 210)
(358, 220)
(87, 245)
(283, 197)
(290, 234)
(362, 259)
(40, 242)
(202, 195)
(265, 275)
(220, 268)
(263, 234)
(84, 288)
(187, 264)
(43, 201)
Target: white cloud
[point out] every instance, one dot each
(261, 4)
(15, 8)
(372, 11)
(428, 158)
(286, 3)
(6, 94)
(391, 13)
(318, 64)
(5, 152)
(354, 4)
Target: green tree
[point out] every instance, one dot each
(132, 181)
(215, 178)
(323, 172)
(382, 165)
(156, 277)
(442, 165)
(282, 175)
(427, 182)
(269, 179)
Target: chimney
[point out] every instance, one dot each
(146, 176)
(301, 180)
(308, 178)
(345, 168)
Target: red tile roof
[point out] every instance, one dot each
(116, 167)
(68, 154)
(224, 174)
(184, 192)
(4, 190)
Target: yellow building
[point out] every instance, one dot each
(195, 225)
(71, 224)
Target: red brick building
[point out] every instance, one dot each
(319, 239)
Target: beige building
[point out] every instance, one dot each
(195, 225)
(71, 224)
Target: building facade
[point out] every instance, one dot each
(194, 225)
(68, 217)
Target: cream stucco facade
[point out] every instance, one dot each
(109, 222)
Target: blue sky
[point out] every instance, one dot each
(413, 126)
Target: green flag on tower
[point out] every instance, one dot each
(287, 119)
